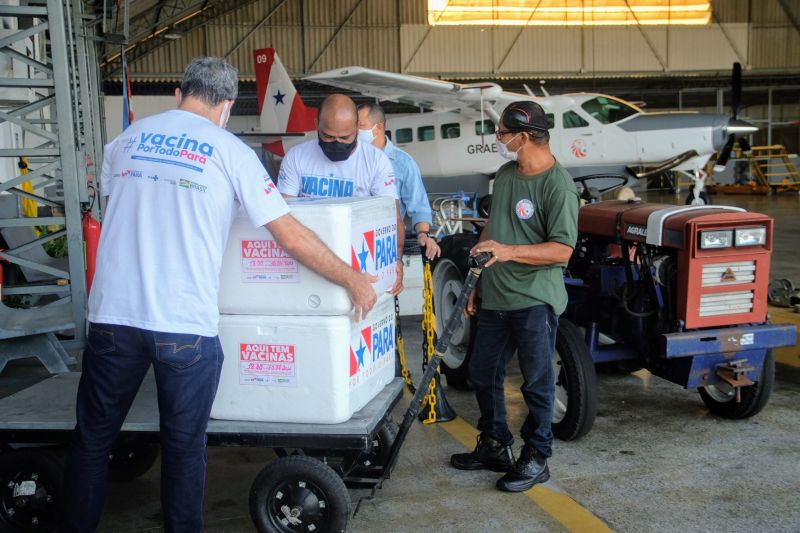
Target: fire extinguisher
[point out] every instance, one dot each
(91, 238)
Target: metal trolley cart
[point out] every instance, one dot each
(292, 493)
(302, 490)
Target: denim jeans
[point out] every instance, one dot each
(116, 359)
(532, 333)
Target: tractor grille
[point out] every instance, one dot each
(721, 274)
(726, 303)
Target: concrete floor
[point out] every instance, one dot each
(656, 460)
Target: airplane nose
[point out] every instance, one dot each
(739, 127)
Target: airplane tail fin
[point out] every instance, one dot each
(279, 105)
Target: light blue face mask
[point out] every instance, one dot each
(366, 136)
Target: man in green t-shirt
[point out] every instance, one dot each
(531, 233)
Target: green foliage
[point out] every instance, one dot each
(56, 247)
(17, 301)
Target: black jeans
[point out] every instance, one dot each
(532, 333)
(116, 359)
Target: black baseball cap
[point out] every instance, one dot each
(524, 115)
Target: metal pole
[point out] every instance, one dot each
(769, 116)
(69, 165)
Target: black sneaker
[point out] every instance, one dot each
(530, 469)
(489, 454)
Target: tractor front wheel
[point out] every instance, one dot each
(721, 397)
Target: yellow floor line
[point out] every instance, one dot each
(561, 507)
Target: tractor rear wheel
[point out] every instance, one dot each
(449, 273)
(721, 398)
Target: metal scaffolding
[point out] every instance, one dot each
(50, 113)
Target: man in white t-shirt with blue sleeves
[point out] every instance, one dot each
(335, 164)
(174, 182)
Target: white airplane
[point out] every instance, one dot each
(602, 141)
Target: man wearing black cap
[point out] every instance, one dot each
(531, 233)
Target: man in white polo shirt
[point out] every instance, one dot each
(337, 165)
(173, 183)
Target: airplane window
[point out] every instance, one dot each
(388, 135)
(404, 136)
(551, 121)
(425, 133)
(485, 127)
(451, 131)
(608, 110)
(573, 120)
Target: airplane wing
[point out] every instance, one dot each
(436, 95)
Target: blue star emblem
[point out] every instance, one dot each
(278, 97)
(360, 353)
(362, 257)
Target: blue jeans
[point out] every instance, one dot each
(116, 359)
(532, 333)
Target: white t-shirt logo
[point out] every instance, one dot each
(524, 209)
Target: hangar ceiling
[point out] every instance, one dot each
(161, 36)
(666, 67)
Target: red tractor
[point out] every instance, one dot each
(678, 290)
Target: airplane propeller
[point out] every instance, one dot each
(735, 126)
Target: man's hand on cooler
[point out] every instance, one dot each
(500, 252)
(397, 288)
(362, 294)
(432, 250)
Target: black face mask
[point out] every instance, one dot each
(337, 151)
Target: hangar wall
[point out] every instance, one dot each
(317, 35)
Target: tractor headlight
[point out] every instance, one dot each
(751, 236)
(716, 239)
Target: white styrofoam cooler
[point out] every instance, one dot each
(259, 278)
(314, 369)
(413, 280)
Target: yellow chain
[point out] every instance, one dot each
(429, 329)
(401, 347)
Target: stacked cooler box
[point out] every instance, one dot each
(292, 351)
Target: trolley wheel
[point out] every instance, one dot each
(448, 275)
(576, 384)
(128, 462)
(370, 464)
(30, 490)
(721, 398)
(299, 493)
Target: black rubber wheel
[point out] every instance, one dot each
(576, 384)
(704, 197)
(127, 463)
(721, 400)
(449, 273)
(30, 490)
(485, 206)
(299, 493)
(370, 464)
